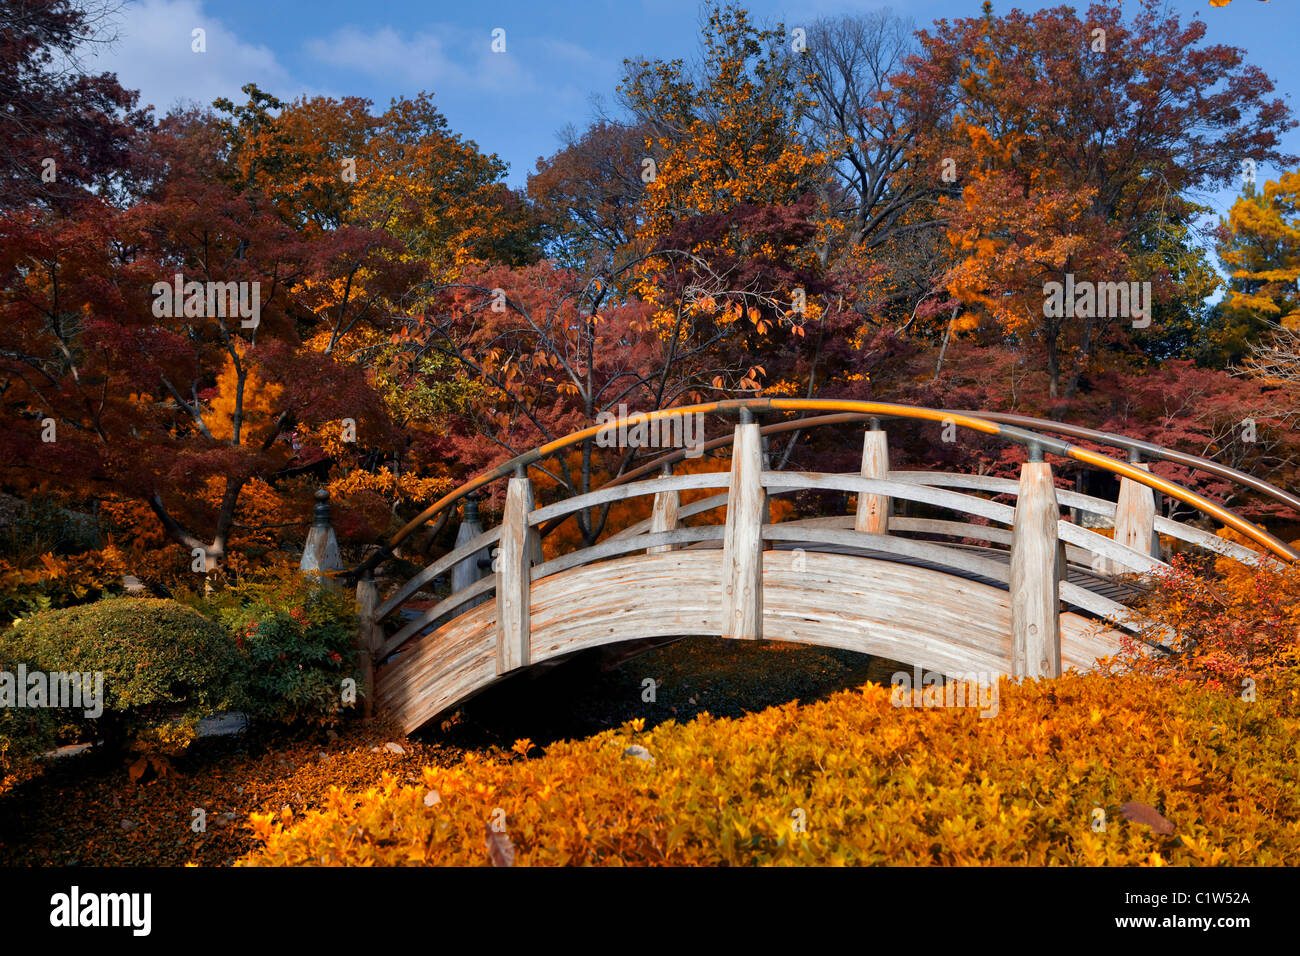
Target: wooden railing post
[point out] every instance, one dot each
(515, 552)
(369, 638)
(1035, 574)
(1135, 517)
(742, 543)
(663, 516)
(873, 510)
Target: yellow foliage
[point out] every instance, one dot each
(853, 780)
(259, 409)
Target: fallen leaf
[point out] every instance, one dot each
(500, 850)
(1141, 813)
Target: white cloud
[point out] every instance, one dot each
(153, 54)
(440, 59)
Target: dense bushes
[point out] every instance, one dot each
(870, 783)
(294, 636)
(1231, 627)
(277, 650)
(160, 660)
(48, 582)
(24, 734)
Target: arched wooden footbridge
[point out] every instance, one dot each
(1038, 594)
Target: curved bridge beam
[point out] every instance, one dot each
(916, 615)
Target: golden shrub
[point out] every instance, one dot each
(854, 780)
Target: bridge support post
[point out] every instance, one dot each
(369, 638)
(873, 510)
(742, 543)
(663, 515)
(1035, 575)
(1135, 518)
(515, 554)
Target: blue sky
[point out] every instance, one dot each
(558, 56)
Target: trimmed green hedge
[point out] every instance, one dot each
(160, 659)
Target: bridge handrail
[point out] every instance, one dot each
(445, 563)
(608, 495)
(1149, 449)
(918, 491)
(1082, 502)
(775, 482)
(955, 501)
(984, 425)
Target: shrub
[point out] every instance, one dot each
(870, 783)
(161, 661)
(48, 582)
(24, 735)
(295, 636)
(1229, 626)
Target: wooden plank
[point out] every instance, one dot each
(1135, 515)
(685, 511)
(447, 561)
(635, 489)
(663, 517)
(513, 577)
(955, 501)
(955, 558)
(1035, 576)
(1081, 502)
(614, 547)
(873, 509)
(369, 637)
(742, 543)
(447, 605)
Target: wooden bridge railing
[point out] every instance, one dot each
(1040, 544)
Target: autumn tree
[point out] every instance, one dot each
(1260, 246)
(589, 194)
(185, 409)
(857, 123)
(64, 132)
(545, 351)
(1071, 134)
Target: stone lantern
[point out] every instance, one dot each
(321, 553)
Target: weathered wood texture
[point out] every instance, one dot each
(776, 481)
(1035, 576)
(663, 517)
(742, 544)
(634, 489)
(1081, 502)
(514, 571)
(873, 509)
(369, 637)
(1135, 516)
(915, 615)
(480, 544)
